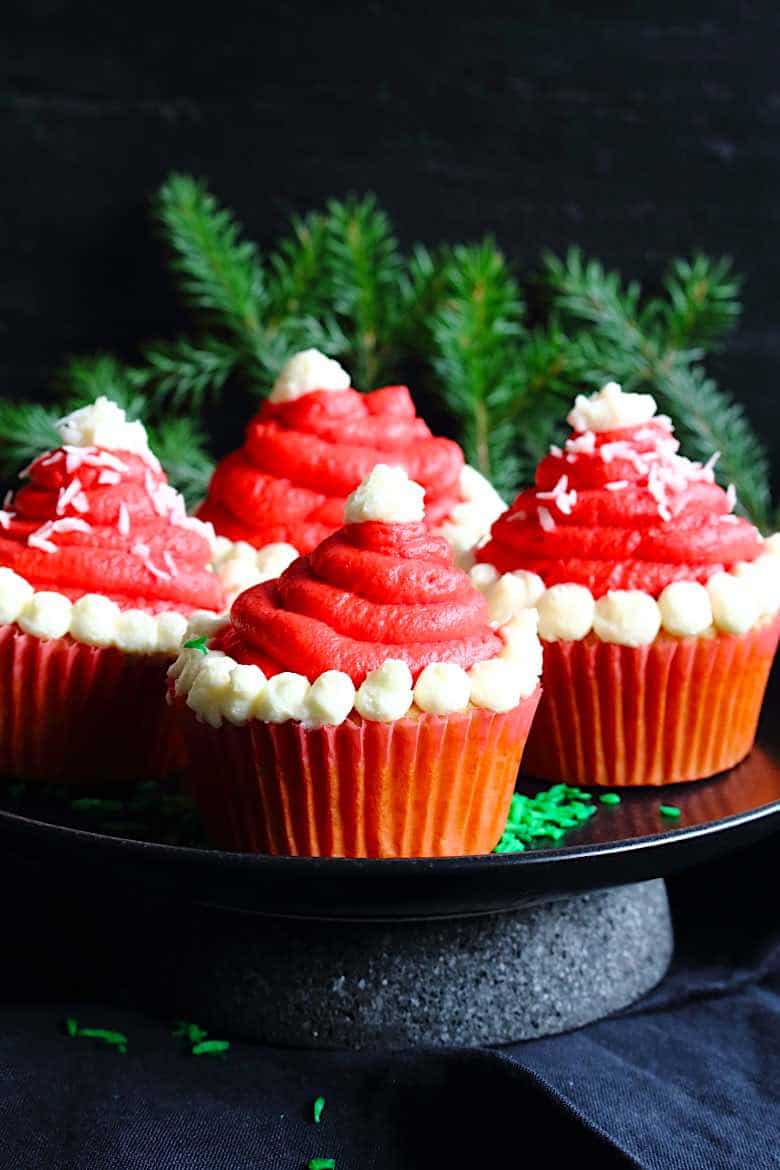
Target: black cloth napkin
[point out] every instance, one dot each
(687, 1078)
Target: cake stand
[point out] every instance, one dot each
(338, 952)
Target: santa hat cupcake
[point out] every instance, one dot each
(310, 445)
(100, 569)
(361, 704)
(658, 606)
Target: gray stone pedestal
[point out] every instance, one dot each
(490, 979)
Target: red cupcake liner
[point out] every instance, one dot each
(431, 786)
(678, 709)
(71, 713)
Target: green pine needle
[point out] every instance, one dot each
(219, 271)
(708, 420)
(476, 335)
(703, 302)
(654, 346)
(27, 429)
(339, 282)
(185, 373)
(364, 270)
(84, 378)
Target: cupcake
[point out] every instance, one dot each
(100, 569)
(361, 705)
(310, 445)
(657, 605)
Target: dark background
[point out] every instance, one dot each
(640, 131)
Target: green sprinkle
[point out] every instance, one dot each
(609, 798)
(321, 1164)
(318, 1109)
(669, 810)
(95, 804)
(546, 817)
(210, 1047)
(116, 1040)
(198, 644)
(190, 1032)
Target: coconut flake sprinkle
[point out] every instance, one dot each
(546, 520)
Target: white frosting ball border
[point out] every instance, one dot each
(218, 689)
(240, 565)
(730, 603)
(93, 620)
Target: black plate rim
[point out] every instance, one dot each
(345, 865)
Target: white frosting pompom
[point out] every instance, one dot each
(735, 602)
(685, 609)
(497, 684)
(388, 495)
(565, 613)
(610, 409)
(94, 620)
(203, 624)
(305, 372)
(239, 566)
(482, 576)
(136, 632)
(209, 689)
(46, 615)
(330, 698)
(442, 688)
(765, 574)
(512, 593)
(15, 593)
(103, 424)
(627, 617)
(171, 628)
(245, 685)
(284, 698)
(522, 645)
(386, 693)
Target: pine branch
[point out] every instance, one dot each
(297, 286)
(475, 343)
(638, 346)
(219, 271)
(181, 448)
(27, 429)
(185, 373)
(708, 420)
(363, 270)
(84, 378)
(703, 302)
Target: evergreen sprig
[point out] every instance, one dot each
(655, 345)
(26, 429)
(453, 317)
(218, 270)
(474, 334)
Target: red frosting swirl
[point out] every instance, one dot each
(301, 459)
(108, 522)
(621, 510)
(372, 591)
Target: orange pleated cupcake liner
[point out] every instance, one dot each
(678, 709)
(425, 786)
(72, 713)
